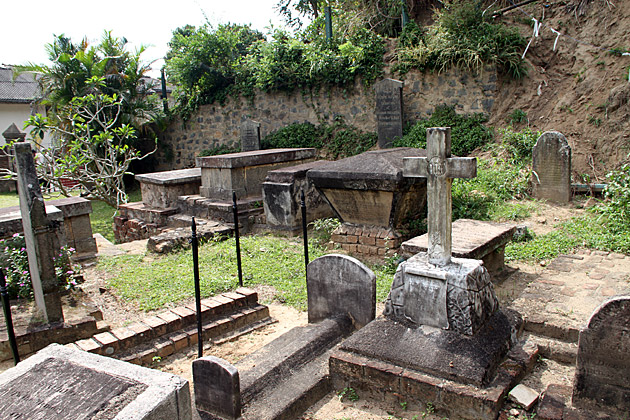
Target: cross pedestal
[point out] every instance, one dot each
(433, 288)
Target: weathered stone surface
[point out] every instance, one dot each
(524, 396)
(281, 197)
(173, 239)
(161, 189)
(471, 239)
(551, 172)
(250, 136)
(61, 383)
(40, 234)
(602, 376)
(389, 111)
(445, 354)
(217, 387)
(369, 189)
(338, 285)
(243, 173)
(459, 296)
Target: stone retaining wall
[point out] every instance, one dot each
(215, 125)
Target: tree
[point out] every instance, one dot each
(94, 149)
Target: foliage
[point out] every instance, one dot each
(348, 393)
(323, 229)
(74, 67)
(517, 116)
(616, 209)
(467, 131)
(14, 262)
(338, 140)
(219, 150)
(515, 146)
(463, 36)
(211, 64)
(94, 148)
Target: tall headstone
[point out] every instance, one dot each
(339, 285)
(602, 375)
(42, 243)
(250, 136)
(551, 173)
(433, 288)
(389, 111)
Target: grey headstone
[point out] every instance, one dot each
(217, 387)
(339, 285)
(250, 136)
(551, 177)
(62, 383)
(42, 244)
(389, 111)
(602, 375)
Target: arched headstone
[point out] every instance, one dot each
(217, 387)
(602, 375)
(551, 161)
(339, 285)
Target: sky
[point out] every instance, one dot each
(27, 26)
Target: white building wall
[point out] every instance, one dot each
(18, 113)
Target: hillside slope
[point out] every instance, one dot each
(581, 89)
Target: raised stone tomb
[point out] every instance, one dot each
(369, 189)
(161, 189)
(62, 383)
(243, 173)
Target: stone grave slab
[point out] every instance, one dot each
(62, 383)
(602, 375)
(243, 173)
(281, 197)
(473, 239)
(551, 168)
(339, 285)
(369, 189)
(389, 111)
(161, 189)
(250, 136)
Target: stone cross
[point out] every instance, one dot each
(439, 168)
(39, 233)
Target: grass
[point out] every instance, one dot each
(155, 281)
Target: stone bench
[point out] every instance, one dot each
(471, 239)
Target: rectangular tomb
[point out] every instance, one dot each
(243, 173)
(161, 189)
(62, 383)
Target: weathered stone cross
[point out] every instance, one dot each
(439, 168)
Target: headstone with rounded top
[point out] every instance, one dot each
(551, 171)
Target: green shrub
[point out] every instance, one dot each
(462, 36)
(616, 209)
(515, 146)
(294, 135)
(467, 131)
(14, 262)
(223, 149)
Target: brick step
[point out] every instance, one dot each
(221, 313)
(554, 349)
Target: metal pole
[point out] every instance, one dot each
(304, 229)
(328, 17)
(195, 250)
(164, 98)
(7, 317)
(405, 17)
(238, 242)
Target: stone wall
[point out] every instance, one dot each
(215, 125)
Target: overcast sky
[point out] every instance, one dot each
(27, 26)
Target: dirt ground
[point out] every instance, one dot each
(118, 313)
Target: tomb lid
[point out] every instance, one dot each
(255, 158)
(181, 176)
(373, 170)
(290, 173)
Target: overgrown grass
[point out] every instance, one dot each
(157, 281)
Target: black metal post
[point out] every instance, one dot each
(238, 242)
(195, 250)
(7, 317)
(164, 98)
(304, 229)
(328, 19)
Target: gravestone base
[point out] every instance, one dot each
(554, 406)
(467, 377)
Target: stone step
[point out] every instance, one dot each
(199, 206)
(288, 399)
(557, 350)
(179, 237)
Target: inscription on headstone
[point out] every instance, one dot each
(389, 111)
(602, 376)
(250, 136)
(551, 173)
(42, 244)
